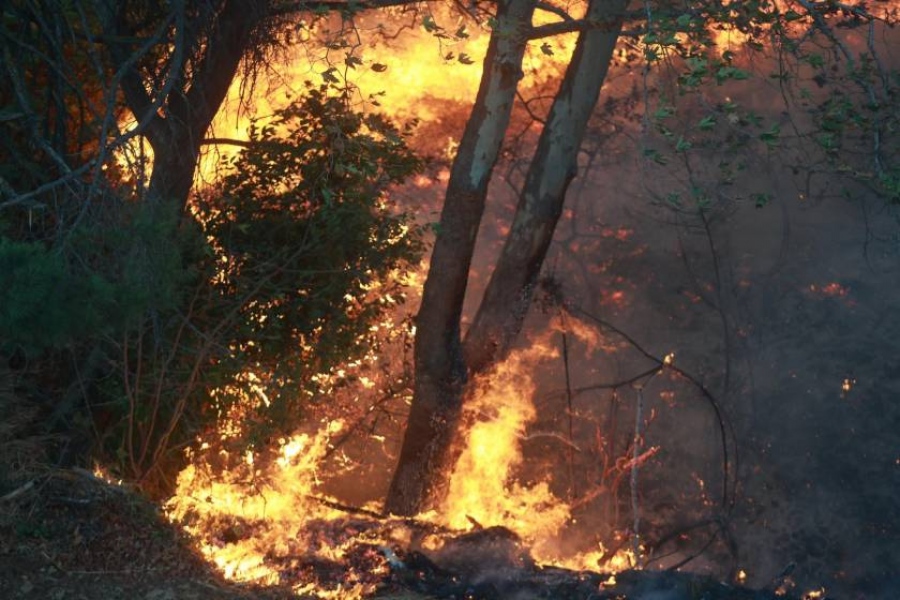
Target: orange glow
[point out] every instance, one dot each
(482, 486)
(277, 502)
(412, 76)
(247, 511)
(831, 290)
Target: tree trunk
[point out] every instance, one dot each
(442, 363)
(176, 114)
(440, 371)
(511, 287)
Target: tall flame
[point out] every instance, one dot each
(482, 487)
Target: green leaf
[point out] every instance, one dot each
(815, 60)
(707, 123)
(329, 75)
(770, 137)
(760, 199)
(663, 112)
(728, 72)
(655, 156)
(430, 25)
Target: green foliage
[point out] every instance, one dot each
(43, 304)
(306, 242)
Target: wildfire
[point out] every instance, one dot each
(482, 488)
(260, 513)
(241, 515)
(251, 513)
(413, 76)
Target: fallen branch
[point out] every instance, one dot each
(19, 491)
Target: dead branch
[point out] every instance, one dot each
(19, 491)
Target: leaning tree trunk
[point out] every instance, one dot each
(442, 363)
(440, 371)
(554, 165)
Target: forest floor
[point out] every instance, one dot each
(75, 537)
(72, 537)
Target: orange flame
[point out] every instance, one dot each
(482, 487)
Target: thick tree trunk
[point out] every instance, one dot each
(510, 289)
(440, 369)
(176, 116)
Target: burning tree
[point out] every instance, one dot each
(656, 35)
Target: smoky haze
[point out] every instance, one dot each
(778, 297)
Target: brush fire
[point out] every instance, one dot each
(519, 516)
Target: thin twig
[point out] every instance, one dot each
(725, 425)
(573, 490)
(22, 489)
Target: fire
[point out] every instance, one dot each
(260, 509)
(221, 510)
(413, 76)
(257, 513)
(482, 488)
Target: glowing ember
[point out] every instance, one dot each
(832, 290)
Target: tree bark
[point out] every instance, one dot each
(443, 364)
(176, 116)
(440, 370)
(511, 287)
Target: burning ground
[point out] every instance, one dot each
(86, 538)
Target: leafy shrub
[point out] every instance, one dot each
(42, 304)
(307, 243)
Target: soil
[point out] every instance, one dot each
(70, 536)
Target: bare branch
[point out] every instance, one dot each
(576, 26)
(217, 141)
(555, 10)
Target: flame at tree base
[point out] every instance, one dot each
(261, 520)
(482, 488)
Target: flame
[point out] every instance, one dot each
(271, 499)
(482, 487)
(255, 513)
(252, 512)
(410, 77)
